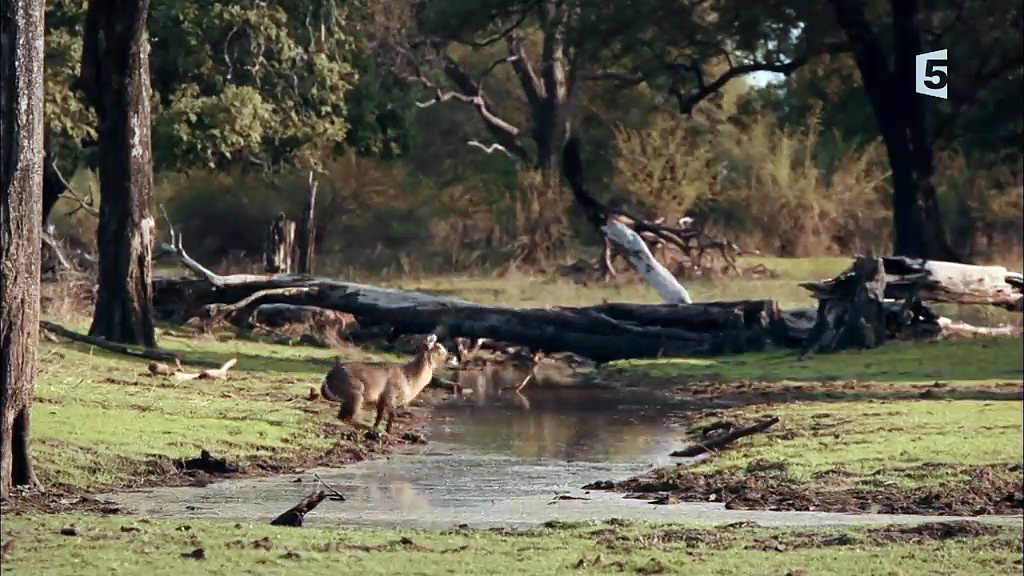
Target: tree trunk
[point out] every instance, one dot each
(21, 169)
(115, 76)
(917, 223)
(307, 231)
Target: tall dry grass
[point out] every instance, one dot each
(763, 186)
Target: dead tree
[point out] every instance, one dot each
(851, 309)
(279, 248)
(115, 81)
(307, 231)
(881, 298)
(21, 170)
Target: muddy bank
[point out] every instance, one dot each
(986, 490)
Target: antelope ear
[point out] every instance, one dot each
(431, 340)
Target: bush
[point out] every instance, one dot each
(761, 185)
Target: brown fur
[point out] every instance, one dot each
(389, 386)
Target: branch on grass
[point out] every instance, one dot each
(726, 439)
(147, 353)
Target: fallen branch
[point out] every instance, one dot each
(147, 353)
(210, 374)
(951, 329)
(937, 281)
(337, 496)
(646, 264)
(724, 440)
(220, 311)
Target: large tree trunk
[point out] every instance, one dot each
(918, 231)
(115, 76)
(21, 142)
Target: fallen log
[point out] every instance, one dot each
(279, 315)
(878, 299)
(948, 282)
(593, 332)
(723, 440)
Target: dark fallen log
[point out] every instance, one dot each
(725, 439)
(295, 515)
(593, 332)
(697, 317)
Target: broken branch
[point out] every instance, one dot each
(147, 353)
(724, 440)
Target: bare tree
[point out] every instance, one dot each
(21, 142)
(115, 80)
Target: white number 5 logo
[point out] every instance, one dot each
(931, 75)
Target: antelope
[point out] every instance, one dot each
(389, 386)
(514, 373)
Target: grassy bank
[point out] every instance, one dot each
(102, 420)
(132, 545)
(926, 428)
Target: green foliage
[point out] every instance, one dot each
(68, 119)
(239, 79)
(380, 114)
(232, 81)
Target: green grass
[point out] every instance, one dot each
(906, 415)
(947, 361)
(139, 546)
(100, 417)
(910, 443)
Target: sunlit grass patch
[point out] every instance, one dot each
(135, 545)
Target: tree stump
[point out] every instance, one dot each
(280, 246)
(851, 309)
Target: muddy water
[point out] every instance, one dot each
(490, 462)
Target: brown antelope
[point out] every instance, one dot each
(389, 386)
(514, 373)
